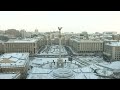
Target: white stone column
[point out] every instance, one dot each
(60, 61)
(59, 43)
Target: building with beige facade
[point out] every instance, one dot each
(112, 51)
(52, 39)
(16, 63)
(1, 47)
(23, 33)
(85, 47)
(108, 41)
(116, 37)
(31, 46)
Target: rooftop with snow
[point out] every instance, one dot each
(113, 44)
(8, 75)
(28, 40)
(13, 59)
(81, 40)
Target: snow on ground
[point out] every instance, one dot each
(104, 72)
(38, 61)
(112, 65)
(77, 70)
(88, 64)
(91, 76)
(88, 72)
(75, 62)
(80, 75)
(37, 70)
(53, 50)
(86, 76)
(68, 65)
(73, 50)
(87, 60)
(90, 58)
(94, 66)
(86, 69)
(82, 61)
(39, 76)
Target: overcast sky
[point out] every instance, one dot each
(71, 21)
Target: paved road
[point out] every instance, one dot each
(55, 56)
(69, 51)
(51, 56)
(41, 49)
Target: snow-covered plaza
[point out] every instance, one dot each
(80, 67)
(53, 50)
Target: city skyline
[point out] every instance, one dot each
(34, 55)
(71, 21)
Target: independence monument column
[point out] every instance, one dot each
(59, 61)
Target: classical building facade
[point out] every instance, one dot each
(86, 46)
(112, 51)
(1, 47)
(31, 46)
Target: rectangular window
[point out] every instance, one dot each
(34, 50)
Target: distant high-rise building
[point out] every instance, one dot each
(36, 31)
(116, 37)
(23, 33)
(29, 34)
(109, 33)
(13, 32)
(2, 32)
(83, 35)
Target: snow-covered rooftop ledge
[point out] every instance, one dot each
(10, 75)
(113, 44)
(6, 63)
(11, 66)
(15, 55)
